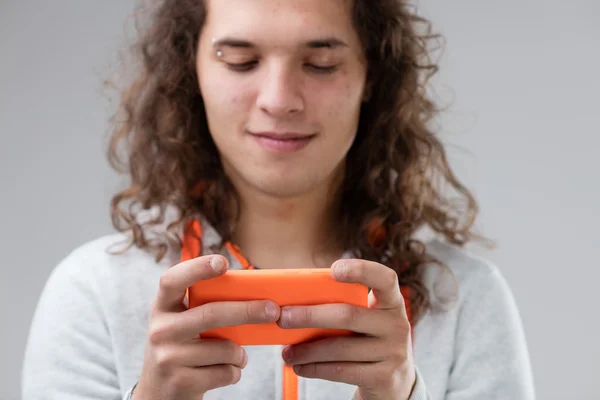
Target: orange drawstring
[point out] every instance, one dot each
(192, 247)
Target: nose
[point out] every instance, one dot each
(280, 92)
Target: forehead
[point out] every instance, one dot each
(280, 22)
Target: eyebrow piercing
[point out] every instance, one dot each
(219, 52)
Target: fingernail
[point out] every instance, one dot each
(287, 353)
(286, 317)
(339, 270)
(217, 264)
(271, 311)
(245, 360)
(297, 369)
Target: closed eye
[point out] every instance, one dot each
(242, 67)
(249, 65)
(322, 69)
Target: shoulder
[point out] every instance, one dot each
(485, 298)
(489, 345)
(104, 263)
(472, 273)
(108, 251)
(92, 305)
(111, 252)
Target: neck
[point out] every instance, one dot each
(289, 232)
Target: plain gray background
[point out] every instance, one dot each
(522, 132)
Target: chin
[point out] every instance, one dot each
(283, 190)
(282, 181)
(286, 186)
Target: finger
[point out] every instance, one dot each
(338, 349)
(204, 379)
(338, 316)
(175, 281)
(188, 324)
(221, 376)
(203, 353)
(381, 279)
(356, 374)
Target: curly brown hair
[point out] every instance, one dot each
(396, 177)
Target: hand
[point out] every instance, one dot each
(379, 361)
(177, 365)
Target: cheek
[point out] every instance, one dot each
(225, 104)
(216, 97)
(340, 107)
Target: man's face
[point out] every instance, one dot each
(282, 83)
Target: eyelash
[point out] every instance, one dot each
(247, 66)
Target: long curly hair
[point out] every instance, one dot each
(396, 181)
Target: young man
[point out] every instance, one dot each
(280, 134)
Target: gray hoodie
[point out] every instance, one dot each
(88, 334)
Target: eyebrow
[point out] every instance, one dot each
(326, 42)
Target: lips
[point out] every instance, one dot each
(283, 135)
(283, 142)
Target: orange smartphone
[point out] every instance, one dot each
(286, 287)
